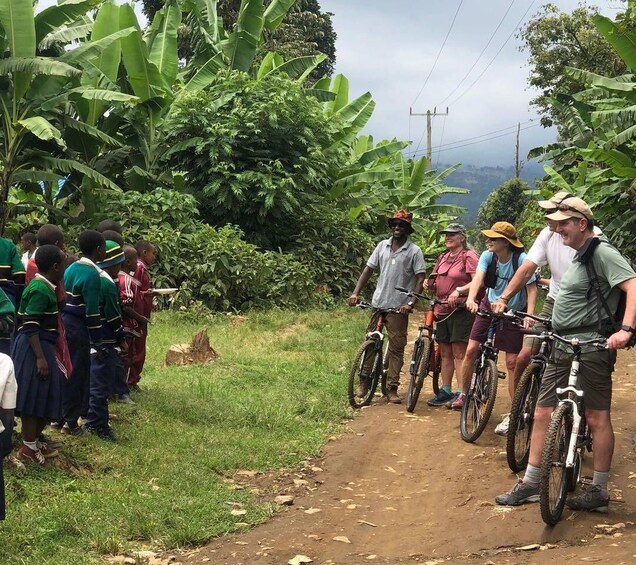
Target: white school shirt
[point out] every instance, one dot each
(8, 385)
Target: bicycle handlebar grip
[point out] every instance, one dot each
(401, 289)
(530, 332)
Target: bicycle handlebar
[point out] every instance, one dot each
(600, 342)
(521, 315)
(363, 304)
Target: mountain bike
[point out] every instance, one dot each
(525, 398)
(567, 439)
(482, 393)
(369, 367)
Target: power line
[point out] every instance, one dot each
(441, 139)
(496, 54)
(447, 148)
(438, 53)
(492, 36)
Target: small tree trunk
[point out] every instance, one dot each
(199, 351)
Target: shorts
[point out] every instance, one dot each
(455, 327)
(508, 336)
(546, 312)
(595, 378)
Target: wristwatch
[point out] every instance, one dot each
(459, 290)
(627, 328)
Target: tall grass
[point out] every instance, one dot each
(269, 401)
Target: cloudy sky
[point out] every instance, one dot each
(389, 49)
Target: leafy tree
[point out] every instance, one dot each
(505, 204)
(252, 150)
(555, 40)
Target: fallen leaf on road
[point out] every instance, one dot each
(299, 559)
(284, 500)
(343, 539)
(530, 547)
(312, 510)
(238, 512)
(390, 469)
(367, 523)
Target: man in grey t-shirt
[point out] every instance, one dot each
(400, 263)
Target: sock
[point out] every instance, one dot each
(32, 445)
(532, 476)
(600, 479)
(447, 389)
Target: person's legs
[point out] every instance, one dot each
(511, 362)
(396, 328)
(74, 386)
(448, 364)
(101, 383)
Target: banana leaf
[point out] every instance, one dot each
(17, 19)
(276, 12)
(43, 129)
(51, 19)
(298, 69)
(163, 49)
(240, 45)
(621, 38)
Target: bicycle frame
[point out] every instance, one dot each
(575, 399)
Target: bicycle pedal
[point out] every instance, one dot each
(501, 374)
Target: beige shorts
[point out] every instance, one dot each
(546, 312)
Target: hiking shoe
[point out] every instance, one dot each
(102, 432)
(442, 398)
(125, 399)
(458, 403)
(519, 494)
(49, 442)
(26, 454)
(56, 425)
(590, 500)
(392, 396)
(363, 387)
(502, 427)
(71, 430)
(46, 450)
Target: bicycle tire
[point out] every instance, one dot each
(422, 355)
(437, 368)
(385, 368)
(522, 418)
(479, 402)
(367, 349)
(554, 474)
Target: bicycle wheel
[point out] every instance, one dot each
(420, 367)
(479, 401)
(436, 364)
(555, 476)
(522, 418)
(368, 350)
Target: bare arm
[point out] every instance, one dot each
(362, 281)
(475, 287)
(620, 339)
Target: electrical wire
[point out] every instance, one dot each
(441, 139)
(438, 53)
(492, 36)
(496, 54)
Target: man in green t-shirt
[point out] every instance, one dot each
(577, 314)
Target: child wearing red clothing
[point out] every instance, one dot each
(146, 252)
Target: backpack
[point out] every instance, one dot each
(492, 272)
(612, 321)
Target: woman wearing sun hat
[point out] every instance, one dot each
(502, 242)
(450, 281)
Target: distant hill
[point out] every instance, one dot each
(481, 181)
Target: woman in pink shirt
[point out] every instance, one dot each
(450, 280)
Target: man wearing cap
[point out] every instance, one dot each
(577, 314)
(401, 264)
(548, 249)
(450, 280)
(103, 360)
(508, 251)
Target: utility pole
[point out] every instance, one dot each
(517, 161)
(429, 133)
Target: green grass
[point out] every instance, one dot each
(272, 398)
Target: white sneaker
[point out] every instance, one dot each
(502, 427)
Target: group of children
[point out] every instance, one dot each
(73, 337)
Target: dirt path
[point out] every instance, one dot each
(405, 488)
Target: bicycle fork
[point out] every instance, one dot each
(576, 413)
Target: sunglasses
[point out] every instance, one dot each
(399, 224)
(566, 207)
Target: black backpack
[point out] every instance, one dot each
(492, 272)
(612, 321)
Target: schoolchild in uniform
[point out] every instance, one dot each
(8, 393)
(28, 244)
(146, 252)
(12, 271)
(39, 379)
(104, 360)
(83, 325)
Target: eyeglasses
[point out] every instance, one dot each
(565, 207)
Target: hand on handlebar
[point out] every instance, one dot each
(472, 306)
(618, 340)
(452, 299)
(498, 307)
(353, 300)
(406, 309)
(528, 323)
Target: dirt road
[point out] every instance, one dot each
(402, 488)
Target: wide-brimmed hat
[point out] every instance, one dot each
(454, 228)
(555, 200)
(114, 255)
(403, 216)
(571, 208)
(503, 230)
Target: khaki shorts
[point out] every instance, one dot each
(456, 327)
(546, 312)
(595, 378)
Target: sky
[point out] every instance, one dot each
(389, 49)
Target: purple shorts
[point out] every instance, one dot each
(508, 337)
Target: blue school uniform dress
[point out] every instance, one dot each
(104, 362)
(37, 397)
(83, 327)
